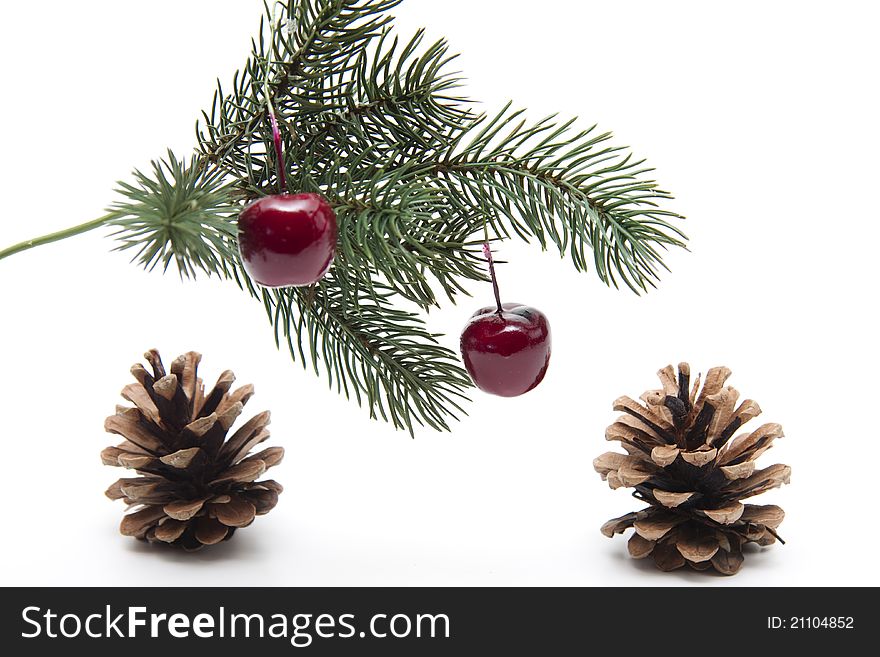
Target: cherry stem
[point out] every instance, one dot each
(487, 251)
(279, 153)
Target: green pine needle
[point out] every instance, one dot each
(181, 213)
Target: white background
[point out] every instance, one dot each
(760, 117)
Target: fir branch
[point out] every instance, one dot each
(414, 177)
(394, 234)
(326, 37)
(398, 102)
(382, 356)
(326, 40)
(182, 213)
(377, 126)
(571, 188)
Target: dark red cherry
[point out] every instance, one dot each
(506, 353)
(287, 239)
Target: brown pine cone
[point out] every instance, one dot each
(683, 460)
(194, 486)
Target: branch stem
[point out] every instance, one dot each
(55, 237)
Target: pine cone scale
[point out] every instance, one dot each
(653, 425)
(182, 458)
(137, 461)
(196, 487)
(237, 512)
(667, 557)
(241, 395)
(170, 530)
(769, 515)
(683, 461)
(264, 500)
(697, 544)
(639, 547)
(270, 456)
(251, 434)
(656, 524)
(131, 428)
(172, 402)
(728, 562)
(621, 524)
(137, 395)
(149, 493)
(218, 393)
(184, 510)
(671, 500)
(209, 531)
(725, 515)
(185, 368)
(136, 524)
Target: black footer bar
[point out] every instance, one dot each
(443, 621)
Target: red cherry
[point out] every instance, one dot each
(507, 352)
(287, 239)
(506, 347)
